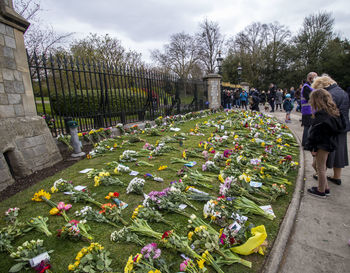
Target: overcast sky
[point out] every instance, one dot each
(144, 25)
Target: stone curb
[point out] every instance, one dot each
(272, 265)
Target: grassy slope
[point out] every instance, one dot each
(65, 251)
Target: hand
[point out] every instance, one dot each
(313, 153)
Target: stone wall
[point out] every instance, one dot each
(26, 144)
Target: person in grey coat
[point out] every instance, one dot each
(339, 158)
(279, 99)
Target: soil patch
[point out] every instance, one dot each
(25, 182)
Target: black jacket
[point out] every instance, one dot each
(341, 99)
(323, 132)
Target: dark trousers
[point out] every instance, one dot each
(244, 104)
(305, 135)
(272, 104)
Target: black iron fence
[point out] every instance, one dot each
(101, 95)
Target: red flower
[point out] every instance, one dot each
(288, 157)
(116, 194)
(232, 240)
(167, 234)
(74, 222)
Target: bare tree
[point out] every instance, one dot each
(313, 38)
(277, 37)
(179, 56)
(210, 42)
(39, 37)
(106, 49)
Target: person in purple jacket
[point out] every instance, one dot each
(306, 112)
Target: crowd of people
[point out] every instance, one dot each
(324, 108)
(271, 100)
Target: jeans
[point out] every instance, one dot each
(238, 103)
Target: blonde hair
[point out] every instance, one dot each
(323, 82)
(321, 99)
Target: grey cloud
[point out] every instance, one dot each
(139, 20)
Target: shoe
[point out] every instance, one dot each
(315, 176)
(314, 192)
(327, 192)
(334, 180)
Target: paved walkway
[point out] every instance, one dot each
(319, 241)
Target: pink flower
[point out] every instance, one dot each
(67, 207)
(183, 266)
(60, 206)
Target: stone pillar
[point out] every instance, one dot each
(214, 92)
(26, 144)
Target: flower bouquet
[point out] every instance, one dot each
(62, 185)
(149, 214)
(92, 259)
(39, 223)
(118, 168)
(148, 260)
(106, 180)
(11, 215)
(136, 186)
(75, 230)
(189, 266)
(125, 235)
(26, 252)
(128, 156)
(210, 166)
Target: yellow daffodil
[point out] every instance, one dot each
(262, 144)
(279, 140)
(71, 267)
(221, 179)
(201, 263)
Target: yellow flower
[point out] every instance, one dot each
(80, 134)
(189, 235)
(139, 257)
(163, 167)
(79, 255)
(262, 144)
(221, 179)
(213, 218)
(201, 263)
(54, 211)
(184, 154)
(38, 196)
(71, 267)
(279, 140)
(97, 181)
(115, 145)
(53, 190)
(262, 170)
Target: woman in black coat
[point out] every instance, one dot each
(339, 158)
(327, 124)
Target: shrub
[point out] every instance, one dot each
(88, 102)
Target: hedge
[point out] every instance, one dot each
(86, 103)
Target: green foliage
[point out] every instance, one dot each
(88, 102)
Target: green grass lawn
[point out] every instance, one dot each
(65, 251)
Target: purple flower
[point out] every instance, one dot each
(151, 250)
(204, 167)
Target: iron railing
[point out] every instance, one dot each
(99, 95)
